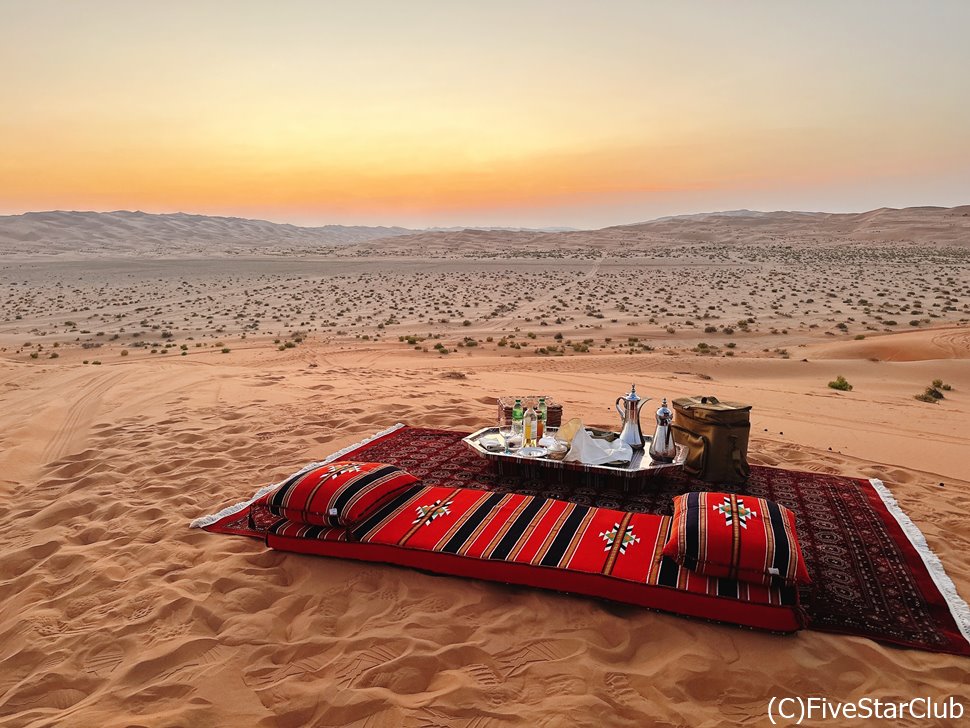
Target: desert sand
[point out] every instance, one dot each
(183, 384)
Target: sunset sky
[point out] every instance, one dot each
(425, 113)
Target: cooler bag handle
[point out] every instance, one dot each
(694, 443)
(709, 400)
(741, 467)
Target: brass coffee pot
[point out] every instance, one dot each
(631, 433)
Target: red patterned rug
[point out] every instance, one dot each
(873, 574)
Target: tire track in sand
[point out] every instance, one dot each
(80, 416)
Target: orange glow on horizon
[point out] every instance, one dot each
(342, 113)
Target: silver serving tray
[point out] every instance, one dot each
(640, 467)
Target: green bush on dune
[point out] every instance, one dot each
(934, 392)
(840, 384)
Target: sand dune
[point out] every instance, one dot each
(943, 343)
(933, 227)
(66, 233)
(114, 613)
(137, 393)
(123, 232)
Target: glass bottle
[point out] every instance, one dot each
(529, 424)
(517, 414)
(543, 415)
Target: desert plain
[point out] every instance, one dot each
(152, 371)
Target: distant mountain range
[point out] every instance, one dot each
(788, 214)
(120, 231)
(181, 234)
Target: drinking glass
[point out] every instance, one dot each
(505, 429)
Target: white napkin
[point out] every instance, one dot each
(592, 451)
(492, 442)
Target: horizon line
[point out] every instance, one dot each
(550, 228)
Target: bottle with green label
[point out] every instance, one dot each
(543, 416)
(517, 414)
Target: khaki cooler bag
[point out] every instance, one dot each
(715, 434)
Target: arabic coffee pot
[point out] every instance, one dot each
(630, 411)
(662, 447)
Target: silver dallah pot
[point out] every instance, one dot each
(662, 447)
(629, 411)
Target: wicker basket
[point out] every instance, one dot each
(553, 408)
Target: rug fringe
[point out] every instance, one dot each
(958, 607)
(204, 521)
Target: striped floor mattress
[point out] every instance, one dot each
(545, 543)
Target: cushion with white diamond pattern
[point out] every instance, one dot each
(736, 537)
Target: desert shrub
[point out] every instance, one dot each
(840, 384)
(934, 392)
(226, 350)
(124, 352)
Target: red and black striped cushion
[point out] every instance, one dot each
(553, 544)
(336, 494)
(736, 537)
